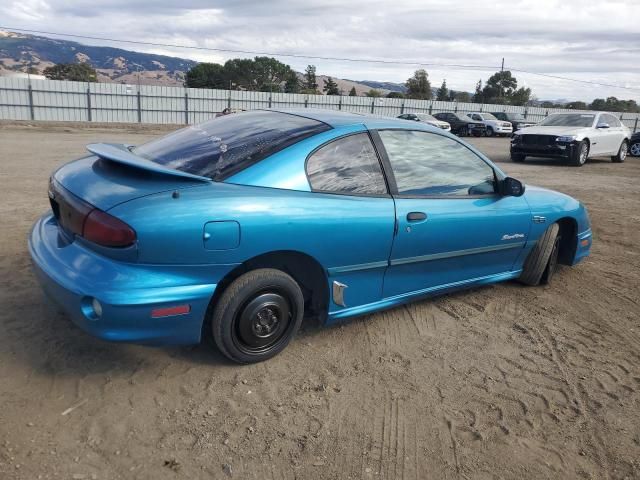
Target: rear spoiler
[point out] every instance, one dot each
(121, 154)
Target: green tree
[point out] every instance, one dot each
(463, 97)
(310, 82)
(330, 87)
(352, 92)
(395, 95)
(612, 104)
(292, 84)
(477, 96)
(77, 72)
(443, 92)
(577, 105)
(418, 86)
(373, 93)
(521, 96)
(500, 87)
(206, 75)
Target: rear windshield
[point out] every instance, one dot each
(228, 144)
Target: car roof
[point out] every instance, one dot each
(337, 118)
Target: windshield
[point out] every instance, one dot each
(226, 145)
(568, 120)
(516, 116)
(425, 117)
(488, 116)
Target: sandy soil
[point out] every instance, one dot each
(499, 382)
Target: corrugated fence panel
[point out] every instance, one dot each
(14, 99)
(105, 102)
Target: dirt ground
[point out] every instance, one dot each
(501, 382)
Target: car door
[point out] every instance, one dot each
(451, 225)
(353, 217)
(613, 135)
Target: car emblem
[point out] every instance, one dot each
(512, 236)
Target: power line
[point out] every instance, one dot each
(316, 57)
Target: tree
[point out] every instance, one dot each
(612, 104)
(206, 75)
(268, 74)
(310, 78)
(395, 95)
(521, 96)
(463, 97)
(576, 105)
(77, 72)
(373, 93)
(443, 92)
(500, 87)
(330, 87)
(477, 96)
(352, 92)
(418, 86)
(292, 84)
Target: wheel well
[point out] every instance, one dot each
(304, 269)
(568, 240)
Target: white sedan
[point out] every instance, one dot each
(494, 126)
(426, 118)
(573, 137)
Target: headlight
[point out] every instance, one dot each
(566, 138)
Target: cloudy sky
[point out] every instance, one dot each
(594, 40)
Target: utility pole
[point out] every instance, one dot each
(502, 67)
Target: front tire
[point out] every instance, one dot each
(634, 149)
(489, 132)
(517, 157)
(257, 315)
(580, 154)
(622, 153)
(542, 259)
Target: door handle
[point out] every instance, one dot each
(416, 216)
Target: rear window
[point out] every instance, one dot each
(228, 144)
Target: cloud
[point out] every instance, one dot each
(584, 39)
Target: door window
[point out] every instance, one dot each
(429, 164)
(348, 165)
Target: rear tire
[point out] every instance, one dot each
(622, 153)
(517, 157)
(542, 259)
(257, 315)
(580, 154)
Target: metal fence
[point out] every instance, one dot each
(54, 100)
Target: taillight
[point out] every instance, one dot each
(107, 230)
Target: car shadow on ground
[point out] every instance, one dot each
(541, 161)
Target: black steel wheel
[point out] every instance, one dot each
(257, 315)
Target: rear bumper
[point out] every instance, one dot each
(73, 276)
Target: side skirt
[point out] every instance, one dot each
(396, 300)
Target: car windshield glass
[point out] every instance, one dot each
(568, 120)
(425, 117)
(228, 144)
(515, 116)
(488, 116)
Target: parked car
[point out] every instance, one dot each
(573, 137)
(634, 145)
(461, 124)
(518, 122)
(239, 227)
(494, 126)
(426, 118)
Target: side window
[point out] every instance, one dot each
(429, 164)
(477, 117)
(612, 121)
(348, 165)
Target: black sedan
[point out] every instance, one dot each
(461, 124)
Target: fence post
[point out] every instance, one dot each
(88, 103)
(269, 101)
(401, 108)
(340, 103)
(635, 126)
(526, 112)
(430, 109)
(373, 104)
(186, 108)
(229, 100)
(306, 102)
(31, 109)
(139, 107)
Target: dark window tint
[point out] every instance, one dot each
(225, 145)
(428, 164)
(347, 165)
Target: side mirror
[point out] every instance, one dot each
(602, 125)
(511, 187)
